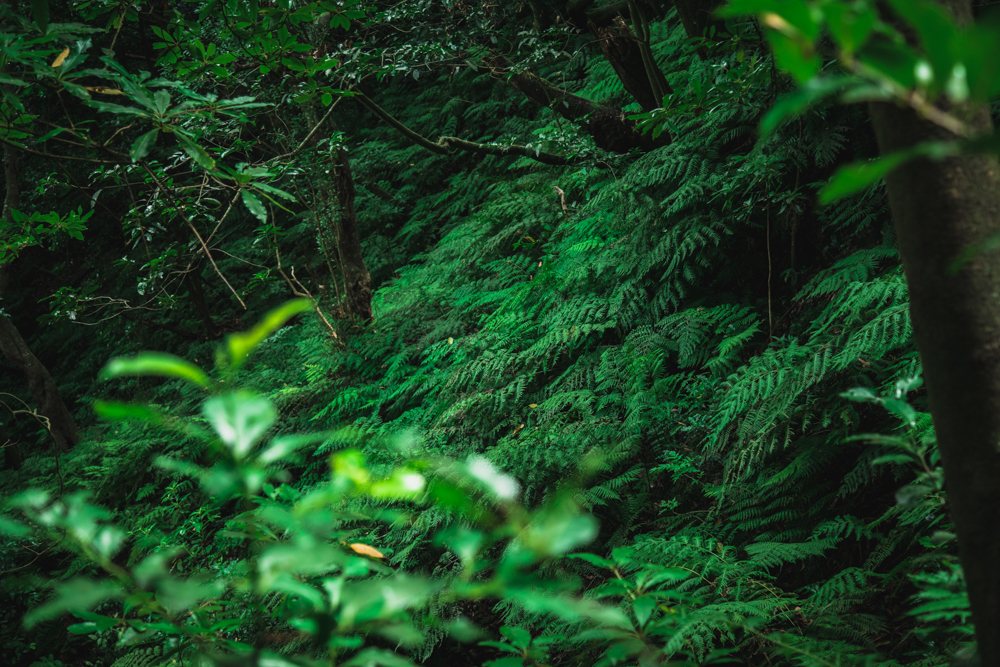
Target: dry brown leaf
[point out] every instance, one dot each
(61, 57)
(366, 550)
(102, 90)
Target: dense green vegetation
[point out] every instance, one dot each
(580, 370)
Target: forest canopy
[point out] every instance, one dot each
(537, 333)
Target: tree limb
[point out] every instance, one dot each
(444, 145)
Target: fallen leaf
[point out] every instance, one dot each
(366, 550)
(61, 57)
(102, 90)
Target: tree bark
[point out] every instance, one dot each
(61, 426)
(344, 227)
(697, 16)
(621, 50)
(50, 403)
(357, 279)
(940, 209)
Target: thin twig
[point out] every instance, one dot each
(190, 225)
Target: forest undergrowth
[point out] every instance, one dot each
(684, 331)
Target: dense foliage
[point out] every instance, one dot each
(619, 397)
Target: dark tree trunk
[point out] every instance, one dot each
(697, 16)
(940, 210)
(621, 49)
(344, 227)
(50, 404)
(352, 262)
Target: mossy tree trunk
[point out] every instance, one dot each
(941, 209)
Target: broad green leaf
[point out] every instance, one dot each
(858, 176)
(254, 204)
(862, 394)
(560, 532)
(156, 364)
(897, 459)
(938, 35)
(93, 623)
(144, 144)
(519, 637)
(116, 108)
(79, 91)
(274, 191)
(75, 595)
(739, 8)
(643, 608)
(981, 57)
(240, 345)
(910, 495)
(593, 560)
(8, 80)
(402, 483)
(796, 56)
(161, 101)
(240, 419)
(284, 445)
(48, 135)
(40, 13)
(893, 61)
(13, 528)
(850, 24)
(505, 486)
(908, 384)
(197, 153)
(501, 646)
(901, 409)
(800, 99)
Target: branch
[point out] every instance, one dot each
(444, 145)
(204, 247)
(57, 157)
(513, 149)
(407, 132)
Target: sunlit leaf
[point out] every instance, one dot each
(240, 345)
(240, 419)
(155, 364)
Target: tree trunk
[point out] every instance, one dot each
(344, 227)
(50, 404)
(352, 261)
(940, 209)
(697, 16)
(621, 50)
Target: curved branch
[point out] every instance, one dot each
(407, 132)
(513, 149)
(444, 145)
